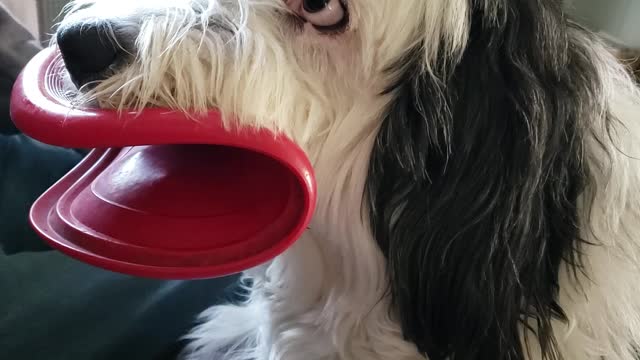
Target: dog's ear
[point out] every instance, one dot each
(474, 180)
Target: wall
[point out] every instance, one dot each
(630, 29)
(25, 11)
(619, 19)
(39, 16)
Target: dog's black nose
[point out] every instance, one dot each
(88, 51)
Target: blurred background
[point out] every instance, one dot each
(617, 21)
(38, 16)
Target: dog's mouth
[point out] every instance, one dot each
(163, 194)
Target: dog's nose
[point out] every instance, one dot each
(88, 51)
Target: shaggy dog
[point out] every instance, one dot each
(477, 167)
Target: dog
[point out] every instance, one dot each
(477, 165)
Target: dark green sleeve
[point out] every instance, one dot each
(6, 125)
(27, 169)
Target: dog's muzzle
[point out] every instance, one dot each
(164, 194)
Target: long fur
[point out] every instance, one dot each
(477, 167)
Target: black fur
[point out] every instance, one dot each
(474, 181)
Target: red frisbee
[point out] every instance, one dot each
(163, 195)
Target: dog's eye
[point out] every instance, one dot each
(324, 14)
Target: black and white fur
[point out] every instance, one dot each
(477, 167)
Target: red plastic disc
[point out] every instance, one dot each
(162, 195)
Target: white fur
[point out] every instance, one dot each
(324, 299)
